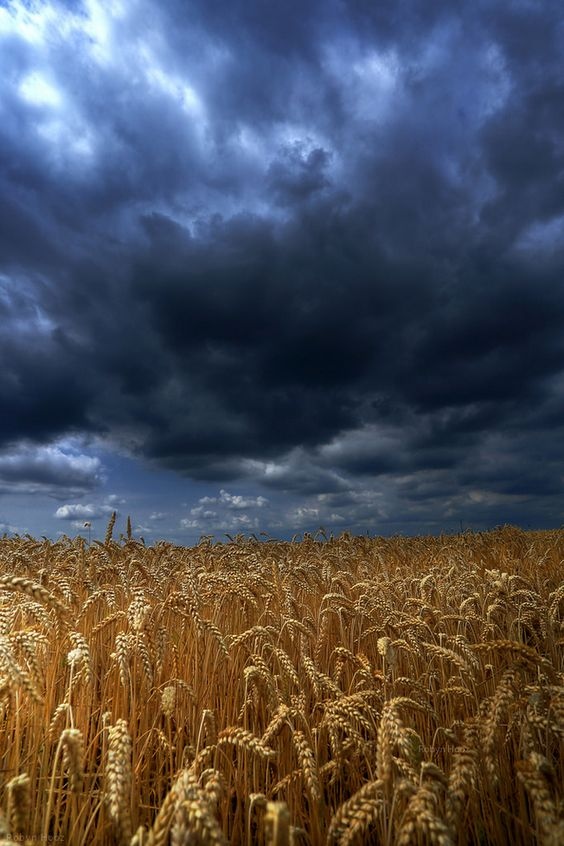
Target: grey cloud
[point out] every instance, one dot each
(298, 472)
(48, 469)
(298, 173)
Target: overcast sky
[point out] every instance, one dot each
(276, 266)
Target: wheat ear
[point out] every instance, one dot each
(118, 780)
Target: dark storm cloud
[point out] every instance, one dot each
(317, 247)
(43, 391)
(298, 174)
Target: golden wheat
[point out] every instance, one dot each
(343, 690)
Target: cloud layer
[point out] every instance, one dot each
(318, 251)
(50, 469)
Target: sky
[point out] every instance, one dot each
(271, 267)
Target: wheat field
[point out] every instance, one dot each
(324, 691)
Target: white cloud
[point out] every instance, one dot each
(100, 26)
(31, 24)
(232, 501)
(226, 512)
(200, 511)
(303, 516)
(239, 522)
(40, 91)
(186, 523)
(229, 523)
(71, 511)
(238, 501)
